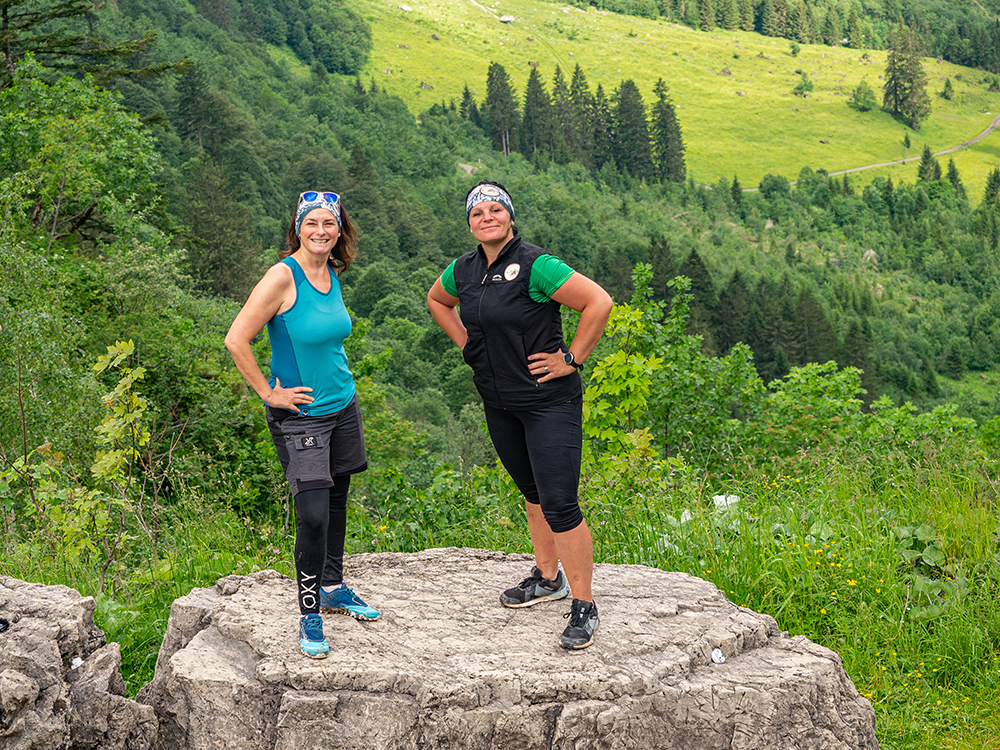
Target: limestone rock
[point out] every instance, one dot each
(447, 667)
(60, 685)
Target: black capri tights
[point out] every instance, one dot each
(319, 540)
(541, 450)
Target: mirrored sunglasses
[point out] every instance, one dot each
(311, 196)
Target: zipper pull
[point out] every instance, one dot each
(484, 278)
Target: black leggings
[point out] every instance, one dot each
(541, 450)
(319, 540)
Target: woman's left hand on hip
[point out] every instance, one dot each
(548, 365)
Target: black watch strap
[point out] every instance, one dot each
(569, 359)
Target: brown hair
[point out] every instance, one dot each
(344, 252)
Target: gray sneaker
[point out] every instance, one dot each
(583, 621)
(535, 589)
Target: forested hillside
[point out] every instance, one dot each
(812, 343)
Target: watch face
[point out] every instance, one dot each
(568, 358)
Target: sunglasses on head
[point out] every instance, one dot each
(310, 196)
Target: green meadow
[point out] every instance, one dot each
(733, 89)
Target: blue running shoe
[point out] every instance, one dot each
(343, 600)
(311, 637)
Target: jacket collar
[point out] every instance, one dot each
(506, 250)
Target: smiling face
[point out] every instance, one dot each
(490, 223)
(319, 232)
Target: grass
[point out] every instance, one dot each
(767, 129)
(820, 543)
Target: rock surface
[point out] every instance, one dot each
(447, 667)
(60, 685)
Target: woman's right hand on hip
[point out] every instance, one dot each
(289, 398)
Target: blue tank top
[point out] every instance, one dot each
(307, 344)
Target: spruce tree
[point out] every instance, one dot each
(601, 119)
(831, 28)
(562, 117)
(737, 193)
(955, 179)
(706, 15)
(501, 110)
(991, 193)
(703, 297)
(37, 27)
(580, 126)
(894, 88)
(917, 104)
(800, 31)
(536, 123)
(632, 148)
(781, 18)
(855, 39)
(732, 312)
(768, 19)
(729, 14)
(925, 172)
(668, 145)
(746, 15)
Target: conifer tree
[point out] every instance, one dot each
(781, 18)
(855, 39)
(746, 15)
(536, 123)
(831, 28)
(501, 110)
(580, 127)
(631, 131)
(706, 15)
(929, 166)
(668, 145)
(955, 179)
(905, 80)
(468, 108)
(768, 19)
(37, 27)
(800, 31)
(562, 116)
(603, 134)
(991, 193)
(737, 193)
(729, 14)
(703, 297)
(732, 313)
(219, 221)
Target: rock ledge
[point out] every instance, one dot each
(447, 667)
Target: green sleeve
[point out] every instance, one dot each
(548, 273)
(448, 280)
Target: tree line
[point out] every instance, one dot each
(573, 124)
(963, 33)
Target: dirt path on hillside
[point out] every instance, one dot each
(953, 149)
(965, 144)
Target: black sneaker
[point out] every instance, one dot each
(535, 589)
(583, 621)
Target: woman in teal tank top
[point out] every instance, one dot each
(310, 400)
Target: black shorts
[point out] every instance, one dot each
(314, 450)
(541, 450)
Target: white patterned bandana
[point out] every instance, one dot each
(483, 193)
(311, 201)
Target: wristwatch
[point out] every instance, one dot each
(569, 359)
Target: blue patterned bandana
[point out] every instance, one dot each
(483, 193)
(305, 207)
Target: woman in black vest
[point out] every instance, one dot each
(510, 333)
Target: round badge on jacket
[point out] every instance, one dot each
(510, 272)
